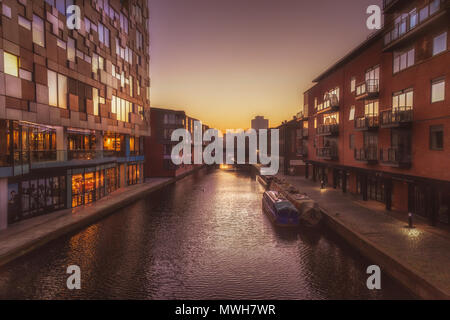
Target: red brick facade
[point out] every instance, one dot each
(392, 150)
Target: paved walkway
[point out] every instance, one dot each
(425, 253)
(27, 235)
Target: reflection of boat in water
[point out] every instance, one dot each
(279, 210)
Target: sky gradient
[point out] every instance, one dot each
(226, 61)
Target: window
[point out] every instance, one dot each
(71, 49)
(139, 40)
(440, 43)
(371, 108)
(353, 85)
(434, 6)
(61, 5)
(95, 100)
(38, 31)
(6, 10)
(11, 64)
(103, 34)
(352, 113)
(403, 60)
(403, 100)
(438, 90)
(437, 137)
(57, 90)
(24, 23)
(352, 141)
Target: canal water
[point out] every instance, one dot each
(203, 238)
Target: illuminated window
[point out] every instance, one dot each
(38, 31)
(71, 49)
(57, 89)
(352, 113)
(353, 85)
(95, 100)
(438, 90)
(11, 64)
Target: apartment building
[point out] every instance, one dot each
(74, 103)
(158, 147)
(379, 119)
(293, 148)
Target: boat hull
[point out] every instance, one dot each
(277, 220)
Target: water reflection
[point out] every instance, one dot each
(204, 238)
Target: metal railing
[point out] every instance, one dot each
(394, 117)
(367, 122)
(366, 154)
(411, 20)
(327, 129)
(327, 153)
(370, 87)
(41, 156)
(395, 156)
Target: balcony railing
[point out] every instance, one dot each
(328, 153)
(41, 156)
(368, 122)
(412, 20)
(395, 157)
(330, 103)
(368, 154)
(396, 117)
(327, 129)
(368, 89)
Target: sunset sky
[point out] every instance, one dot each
(226, 61)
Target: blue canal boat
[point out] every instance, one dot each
(279, 210)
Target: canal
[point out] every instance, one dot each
(203, 238)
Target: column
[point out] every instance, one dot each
(3, 203)
(69, 191)
(61, 144)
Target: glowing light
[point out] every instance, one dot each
(224, 166)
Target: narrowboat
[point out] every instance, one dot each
(280, 211)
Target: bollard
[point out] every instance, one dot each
(410, 220)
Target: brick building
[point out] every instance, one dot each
(73, 103)
(158, 147)
(379, 118)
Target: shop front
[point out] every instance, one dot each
(35, 195)
(91, 184)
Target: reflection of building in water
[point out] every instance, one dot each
(74, 104)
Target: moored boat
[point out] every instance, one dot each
(280, 210)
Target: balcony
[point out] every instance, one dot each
(387, 4)
(303, 153)
(305, 133)
(328, 153)
(369, 89)
(330, 104)
(367, 155)
(327, 130)
(397, 118)
(366, 123)
(412, 22)
(395, 157)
